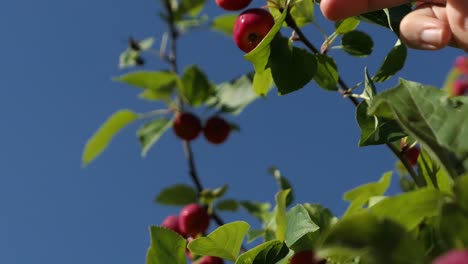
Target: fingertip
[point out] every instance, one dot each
(330, 10)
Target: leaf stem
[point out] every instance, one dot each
(345, 91)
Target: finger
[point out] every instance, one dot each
(426, 28)
(457, 13)
(340, 9)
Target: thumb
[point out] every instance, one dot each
(457, 14)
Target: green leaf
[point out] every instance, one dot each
(146, 43)
(225, 242)
(150, 133)
(383, 241)
(357, 43)
(299, 224)
(191, 7)
(104, 135)
(128, 58)
(326, 75)
(196, 86)
(232, 97)
(280, 214)
(263, 82)
(207, 196)
(370, 189)
(347, 25)
(166, 247)
(179, 194)
(266, 253)
(302, 12)
(291, 67)
(320, 215)
(153, 80)
(461, 192)
(228, 205)
(224, 23)
(374, 130)
(389, 18)
(259, 56)
(257, 209)
(437, 122)
(393, 63)
(453, 228)
(254, 234)
(283, 184)
(411, 208)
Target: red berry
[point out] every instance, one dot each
(187, 126)
(193, 220)
(172, 222)
(453, 257)
(412, 155)
(460, 87)
(233, 5)
(251, 27)
(216, 130)
(306, 257)
(210, 260)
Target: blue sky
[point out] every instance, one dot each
(58, 58)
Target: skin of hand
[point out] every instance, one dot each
(432, 25)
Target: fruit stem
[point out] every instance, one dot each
(345, 90)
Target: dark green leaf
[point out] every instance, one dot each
(225, 242)
(227, 205)
(357, 43)
(224, 23)
(104, 135)
(196, 86)
(389, 18)
(266, 253)
(383, 241)
(436, 121)
(393, 63)
(150, 133)
(179, 194)
(453, 227)
(257, 209)
(320, 215)
(283, 184)
(326, 75)
(166, 247)
(291, 67)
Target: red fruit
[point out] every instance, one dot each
(233, 5)
(460, 87)
(210, 260)
(461, 63)
(193, 220)
(216, 130)
(306, 257)
(251, 27)
(412, 155)
(187, 126)
(172, 222)
(453, 257)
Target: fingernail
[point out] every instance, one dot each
(432, 37)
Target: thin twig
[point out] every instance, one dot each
(344, 90)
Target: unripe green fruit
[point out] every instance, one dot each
(187, 126)
(251, 27)
(193, 220)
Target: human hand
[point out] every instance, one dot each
(433, 25)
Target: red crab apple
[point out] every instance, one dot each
(187, 126)
(460, 87)
(410, 153)
(251, 27)
(233, 5)
(461, 63)
(172, 222)
(306, 257)
(193, 220)
(453, 257)
(210, 260)
(216, 130)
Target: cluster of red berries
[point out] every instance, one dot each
(460, 86)
(411, 153)
(306, 257)
(188, 126)
(191, 221)
(251, 26)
